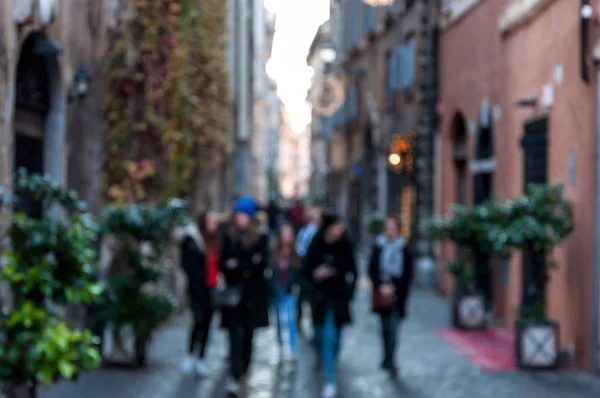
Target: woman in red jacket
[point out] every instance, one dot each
(200, 254)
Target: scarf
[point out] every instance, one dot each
(391, 262)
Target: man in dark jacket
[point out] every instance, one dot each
(330, 268)
(391, 273)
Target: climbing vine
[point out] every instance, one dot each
(168, 99)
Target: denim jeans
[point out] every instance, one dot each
(285, 313)
(390, 323)
(327, 339)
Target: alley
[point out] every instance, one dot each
(429, 368)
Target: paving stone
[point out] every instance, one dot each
(429, 368)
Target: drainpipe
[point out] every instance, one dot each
(596, 246)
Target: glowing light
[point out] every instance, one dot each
(395, 159)
(379, 3)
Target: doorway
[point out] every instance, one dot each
(483, 185)
(39, 122)
(535, 161)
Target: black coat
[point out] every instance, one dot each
(193, 262)
(337, 291)
(402, 284)
(253, 311)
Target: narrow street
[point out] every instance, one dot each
(429, 367)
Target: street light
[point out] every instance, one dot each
(394, 159)
(327, 53)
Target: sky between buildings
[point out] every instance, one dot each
(296, 25)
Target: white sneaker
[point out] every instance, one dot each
(232, 387)
(329, 391)
(187, 366)
(201, 368)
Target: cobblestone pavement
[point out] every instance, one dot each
(429, 368)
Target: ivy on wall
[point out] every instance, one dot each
(168, 98)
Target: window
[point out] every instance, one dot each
(407, 60)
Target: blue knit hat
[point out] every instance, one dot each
(245, 204)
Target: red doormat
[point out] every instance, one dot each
(491, 350)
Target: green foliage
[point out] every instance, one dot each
(475, 228)
(132, 296)
(535, 222)
(539, 220)
(471, 226)
(51, 260)
(375, 224)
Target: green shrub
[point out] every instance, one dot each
(132, 296)
(52, 260)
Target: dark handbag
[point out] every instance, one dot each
(381, 302)
(227, 296)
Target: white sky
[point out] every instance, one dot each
(296, 25)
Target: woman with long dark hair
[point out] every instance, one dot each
(244, 258)
(200, 250)
(285, 266)
(330, 267)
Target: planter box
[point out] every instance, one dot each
(468, 312)
(123, 348)
(537, 344)
(19, 391)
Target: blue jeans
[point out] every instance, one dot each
(327, 339)
(285, 312)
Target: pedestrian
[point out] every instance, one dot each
(331, 267)
(295, 215)
(305, 236)
(274, 214)
(286, 265)
(200, 251)
(391, 273)
(244, 258)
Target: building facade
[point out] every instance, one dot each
(264, 106)
(320, 127)
(517, 105)
(378, 49)
(45, 44)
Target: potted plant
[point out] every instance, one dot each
(539, 220)
(134, 303)
(50, 264)
(471, 229)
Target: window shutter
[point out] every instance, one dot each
(355, 23)
(353, 103)
(396, 67)
(411, 62)
(348, 24)
(370, 18)
(406, 61)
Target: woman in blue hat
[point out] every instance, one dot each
(244, 258)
